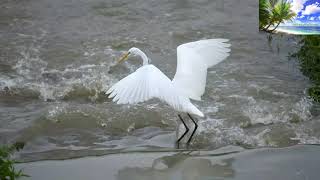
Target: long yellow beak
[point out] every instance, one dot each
(123, 57)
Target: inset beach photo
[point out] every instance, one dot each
(289, 16)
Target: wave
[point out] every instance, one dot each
(34, 79)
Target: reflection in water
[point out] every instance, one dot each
(180, 166)
(293, 163)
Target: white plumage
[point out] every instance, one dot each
(189, 82)
(193, 60)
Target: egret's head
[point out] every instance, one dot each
(131, 51)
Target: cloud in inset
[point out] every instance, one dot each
(297, 5)
(311, 9)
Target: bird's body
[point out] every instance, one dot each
(148, 82)
(189, 82)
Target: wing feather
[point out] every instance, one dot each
(146, 83)
(193, 60)
(143, 84)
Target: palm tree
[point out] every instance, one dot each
(282, 12)
(273, 3)
(273, 13)
(264, 13)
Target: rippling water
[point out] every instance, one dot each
(57, 58)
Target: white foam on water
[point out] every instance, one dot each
(304, 138)
(7, 82)
(267, 112)
(302, 108)
(56, 110)
(52, 84)
(259, 113)
(222, 134)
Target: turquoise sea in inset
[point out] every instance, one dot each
(299, 29)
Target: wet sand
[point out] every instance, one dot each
(293, 163)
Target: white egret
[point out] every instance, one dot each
(147, 82)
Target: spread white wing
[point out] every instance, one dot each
(193, 60)
(149, 82)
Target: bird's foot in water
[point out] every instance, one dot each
(186, 131)
(179, 146)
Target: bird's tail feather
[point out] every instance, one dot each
(194, 110)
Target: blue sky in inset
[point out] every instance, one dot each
(308, 11)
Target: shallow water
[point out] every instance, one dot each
(294, 163)
(57, 58)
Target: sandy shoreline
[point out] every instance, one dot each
(287, 31)
(297, 162)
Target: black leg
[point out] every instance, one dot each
(187, 129)
(194, 130)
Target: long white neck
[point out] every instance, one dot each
(143, 56)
